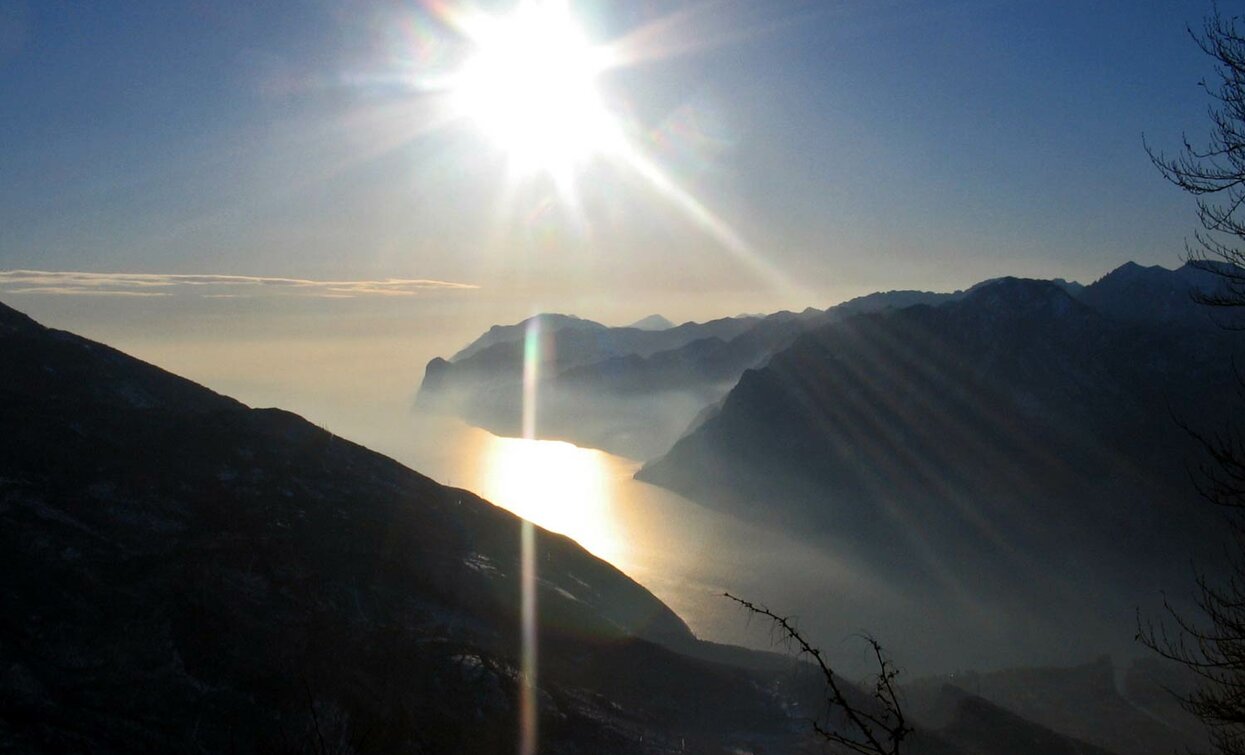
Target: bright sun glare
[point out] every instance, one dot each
(530, 83)
(531, 86)
(559, 486)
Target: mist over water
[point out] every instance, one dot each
(688, 555)
(685, 553)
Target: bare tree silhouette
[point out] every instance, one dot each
(1211, 643)
(1215, 173)
(870, 730)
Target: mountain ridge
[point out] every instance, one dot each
(182, 571)
(604, 390)
(1011, 450)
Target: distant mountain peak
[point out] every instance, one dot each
(549, 322)
(652, 322)
(900, 299)
(1018, 295)
(1192, 271)
(1137, 293)
(1131, 269)
(1072, 288)
(556, 319)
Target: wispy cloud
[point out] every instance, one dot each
(210, 286)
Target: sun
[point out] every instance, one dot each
(530, 85)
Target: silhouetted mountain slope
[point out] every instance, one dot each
(584, 341)
(701, 363)
(982, 728)
(883, 300)
(950, 721)
(1013, 445)
(628, 391)
(1139, 717)
(717, 363)
(1014, 378)
(180, 572)
(512, 333)
(1132, 293)
(635, 392)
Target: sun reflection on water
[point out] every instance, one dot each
(685, 553)
(559, 486)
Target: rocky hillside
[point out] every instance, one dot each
(629, 391)
(1014, 451)
(182, 573)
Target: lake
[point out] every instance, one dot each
(688, 555)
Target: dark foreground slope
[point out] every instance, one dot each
(181, 573)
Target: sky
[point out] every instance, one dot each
(275, 189)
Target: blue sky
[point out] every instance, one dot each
(853, 145)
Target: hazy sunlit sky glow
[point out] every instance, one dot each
(763, 156)
(300, 203)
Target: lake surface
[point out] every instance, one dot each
(353, 370)
(684, 553)
(688, 555)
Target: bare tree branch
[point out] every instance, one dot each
(1215, 172)
(1210, 641)
(879, 732)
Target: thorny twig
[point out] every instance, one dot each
(869, 733)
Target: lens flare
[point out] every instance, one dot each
(528, 710)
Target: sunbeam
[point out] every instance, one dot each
(527, 81)
(704, 218)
